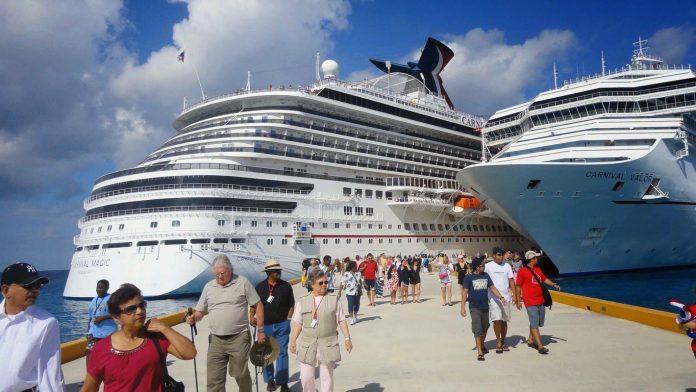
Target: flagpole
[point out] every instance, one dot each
(199, 82)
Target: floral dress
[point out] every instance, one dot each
(393, 282)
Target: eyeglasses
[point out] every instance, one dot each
(323, 282)
(33, 286)
(499, 254)
(221, 274)
(131, 309)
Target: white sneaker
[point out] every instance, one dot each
(352, 321)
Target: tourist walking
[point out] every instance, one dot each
(444, 274)
(368, 269)
(499, 312)
(404, 280)
(415, 279)
(461, 267)
(392, 283)
(30, 349)
(227, 299)
(516, 261)
(278, 302)
(529, 280)
(131, 358)
(101, 324)
(475, 289)
(316, 320)
(352, 285)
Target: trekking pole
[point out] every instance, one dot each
(194, 332)
(256, 368)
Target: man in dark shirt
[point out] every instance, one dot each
(278, 302)
(475, 288)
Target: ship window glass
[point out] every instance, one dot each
(447, 227)
(474, 227)
(117, 245)
(369, 225)
(391, 240)
(449, 239)
(347, 210)
(237, 240)
(346, 191)
(439, 226)
(91, 247)
(99, 229)
(359, 225)
(121, 226)
(200, 240)
(618, 186)
(379, 226)
(369, 211)
(237, 223)
(358, 210)
(380, 241)
(369, 241)
(347, 240)
(284, 241)
(359, 240)
(269, 223)
(407, 226)
(425, 240)
(347, 225)
(389, 227)
(324, 225)
(221, 240)
(468, 227)
(378, 194)
(298, 242)
(175, 242)
(416, 227)
(368, 193)
(284, 224)
(533, 184)
(146, 243)
(269, 241)
(78, 249)
(358, 192)
(254, 223)
(388, 195)
(432, 227)
(337, 241)
(176, 223)
(221, 222)
(337, 225)
(480, 227)
(488, 228)
(108, 228)
(153, 225)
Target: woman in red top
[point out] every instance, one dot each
(128, 360)
(529, 279)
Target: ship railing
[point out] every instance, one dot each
(418, 200)
(243, 210)
(423, 184)
(626, 68)
(271, 190)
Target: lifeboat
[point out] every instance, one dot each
(465, 202)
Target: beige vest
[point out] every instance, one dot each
(324, 336)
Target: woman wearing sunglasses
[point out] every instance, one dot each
(128, 360)
(317, 316)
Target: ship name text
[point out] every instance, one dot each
(637, 176)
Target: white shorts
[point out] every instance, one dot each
(497, 311)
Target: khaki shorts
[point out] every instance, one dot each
(497, 311)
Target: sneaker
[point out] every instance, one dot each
(352, 321)
(284, 388)
(271, 386)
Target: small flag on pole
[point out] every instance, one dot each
(180, 57)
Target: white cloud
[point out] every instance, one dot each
(672, 44)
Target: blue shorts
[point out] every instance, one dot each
(536, 316)
(370, 284)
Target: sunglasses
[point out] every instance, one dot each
(131, 309)
(322, 283)
(499, 254)
(33, 286)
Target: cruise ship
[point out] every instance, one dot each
(337, 168)
(600, 171)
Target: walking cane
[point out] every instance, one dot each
(256, 368)
(194, 332)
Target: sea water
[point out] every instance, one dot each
(650, 289)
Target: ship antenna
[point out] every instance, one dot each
(555, 76)
(604, 65)
(317, 77)
(248, 85)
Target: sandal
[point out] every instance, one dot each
(484, 350)
(543, 350)
(506, 348)
(481, 357)
(532, 345)
(498, 350)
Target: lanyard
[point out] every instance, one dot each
(270, 289)
(316, 308)
(96, 308)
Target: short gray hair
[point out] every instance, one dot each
(223, 260)
(314, 274)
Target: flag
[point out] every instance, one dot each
(180, 57)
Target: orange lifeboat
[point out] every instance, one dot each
(466, 202)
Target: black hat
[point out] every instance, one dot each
(22, 274)
(264, 354)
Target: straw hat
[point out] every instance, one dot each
(272, 264)
(264, 354)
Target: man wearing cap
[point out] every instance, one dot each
(278, 304)
(528, 278)
(227, 299)
(475, 288)
(29, 335)
(499, 311)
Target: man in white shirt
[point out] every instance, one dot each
(499, 312)
(29, 335)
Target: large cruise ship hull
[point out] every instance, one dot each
(586, 225)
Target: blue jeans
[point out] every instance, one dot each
(353, 303)
(281, 332)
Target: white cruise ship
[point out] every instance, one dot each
(600, 172)
(338, 168)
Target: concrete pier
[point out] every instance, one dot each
(429, 347)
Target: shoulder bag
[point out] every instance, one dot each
(168, 383)
(548, 301)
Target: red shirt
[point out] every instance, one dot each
(531, 290)
(135, 370)
(370, 271)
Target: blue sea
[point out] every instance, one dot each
(650, 289)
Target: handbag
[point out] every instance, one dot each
(548, 301)
(168, 383)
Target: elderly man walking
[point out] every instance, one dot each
(29, 335)
(278, 304)
(499, 310)
(529, 281)
(227, 299)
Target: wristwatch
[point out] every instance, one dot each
(347, 338)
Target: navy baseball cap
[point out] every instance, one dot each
(22, 274)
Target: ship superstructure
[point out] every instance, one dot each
(600, 171)
(337, 168)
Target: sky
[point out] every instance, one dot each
(89, 87)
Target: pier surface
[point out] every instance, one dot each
(429, 347)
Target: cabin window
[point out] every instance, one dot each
(618, 186)
(153, 225)
(176, 223)
(533, 184)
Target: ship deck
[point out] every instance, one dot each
(419, 347)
